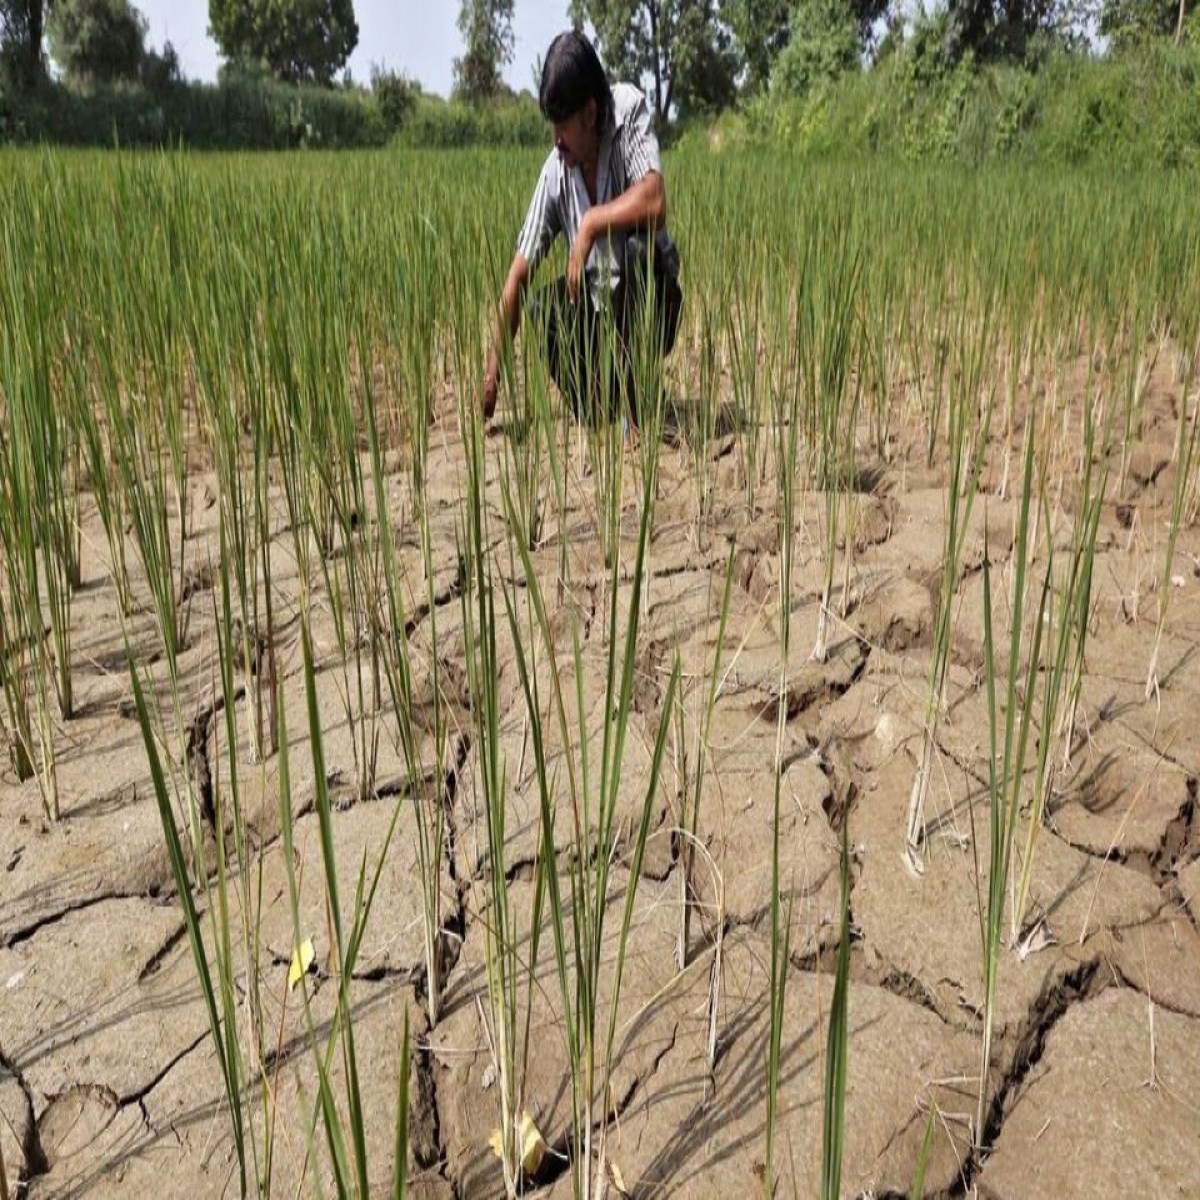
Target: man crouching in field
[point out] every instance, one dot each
(602, 189)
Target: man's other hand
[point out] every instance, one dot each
(491, 388)
(582, 247)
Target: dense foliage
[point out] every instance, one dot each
(1105, 81)
(98, 41)
(487, 33)
(304, 41)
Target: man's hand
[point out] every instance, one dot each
(491, 387)
(584, 241)
(508, 318)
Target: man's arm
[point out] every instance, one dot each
(643, 205)
(508, 318)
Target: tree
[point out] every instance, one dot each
(762, 29)
(1126, 22)
(997, 29)
(97, 41)
(681, 46)
(706, 68)
(22, 24)
(486, 28)
(299, 41)
(824, 43)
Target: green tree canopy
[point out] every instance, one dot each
(824, 43)
(681, 47)
(299, 41)
(1127, 22)
(762, 29)
(97, 41)
(999, 29)
(487, 32)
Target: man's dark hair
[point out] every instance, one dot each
(571, 76)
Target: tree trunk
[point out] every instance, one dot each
(28, 25)
(1179, 26)
(657, 50)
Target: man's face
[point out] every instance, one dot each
(575, 136)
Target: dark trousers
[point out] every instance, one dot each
(594, 351)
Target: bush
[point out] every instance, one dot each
(243, 112)
(823, 46)
(1132, 110)
(438, 123)
(395, 96)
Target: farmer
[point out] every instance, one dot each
(602, 189)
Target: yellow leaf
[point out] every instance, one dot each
(533, 1145)
(618, 1180)
(533, 1148)
(302, 961)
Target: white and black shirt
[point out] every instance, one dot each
(628, 153)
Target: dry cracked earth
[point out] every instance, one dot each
(109, 1085)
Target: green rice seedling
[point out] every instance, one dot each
(1086, 532)
(96, 458)
(836, 1048)
(350, 587)
(827, 318)
(344, 1124)
(788, 430)
(43, 441)
(400, 1150)
(931, 381)
(424, 788)
(28, 670)
(286, 398)
(524, 447)
(579, 937)
(742, 351)
(968, 420)
(15, 647)
(158, 350)
(705, 423)
(350, 1173)
(314, 425)
(140, 463)
(1186, 441)
(1020, 350)
(222, 1014)
(1067, 616)
(232, 400)
(419, 303)
(917, 1192)
(689, 812)
(501, 940)
(1006, 761)
(880, 359)
(1135, 372)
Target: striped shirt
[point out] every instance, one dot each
(628, 153)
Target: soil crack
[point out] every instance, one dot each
(1083, 983)
(138, 1096)
(33, 1153)
(25, 933)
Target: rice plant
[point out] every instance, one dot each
(424, 778)
(1006, 759)
(701, 768)
(968, 425)
(1186, 441)
(836, 1050)
(287, 342)
(788, 431)
(827, 318)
